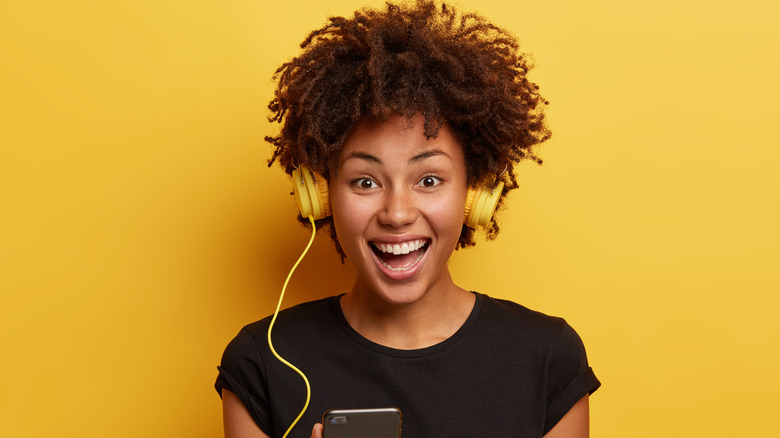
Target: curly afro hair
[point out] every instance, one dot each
(409, 59)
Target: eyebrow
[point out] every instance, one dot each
(427, 154)
(362, 156)
(415, 159)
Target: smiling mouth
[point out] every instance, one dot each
(402, 256)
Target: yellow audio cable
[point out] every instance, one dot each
(276, 312)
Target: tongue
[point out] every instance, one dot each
(400, 260)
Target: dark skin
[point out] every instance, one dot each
(439, 79)
(452, 68)
(396, 185)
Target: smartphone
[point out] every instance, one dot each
(362, 423)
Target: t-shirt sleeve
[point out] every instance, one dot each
(569, 378)
(242, 373)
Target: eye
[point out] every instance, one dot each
(364, 183)
(429, 181)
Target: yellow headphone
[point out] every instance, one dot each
(311, 194)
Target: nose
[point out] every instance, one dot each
(398, 209)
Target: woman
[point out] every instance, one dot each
(402, 111)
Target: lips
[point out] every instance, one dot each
(399, 257)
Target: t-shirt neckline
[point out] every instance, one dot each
(395, 352)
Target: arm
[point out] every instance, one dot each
(574, 424)
(238, 423)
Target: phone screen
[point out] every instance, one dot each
(362, 423)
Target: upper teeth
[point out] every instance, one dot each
(400, 248)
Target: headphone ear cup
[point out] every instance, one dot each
(311, 193)
(481, 203)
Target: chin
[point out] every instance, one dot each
(404, 287)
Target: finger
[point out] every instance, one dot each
(317, 431)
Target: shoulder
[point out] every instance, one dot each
(292, 322)
(300, 315)
(532, 322)
(549, 336)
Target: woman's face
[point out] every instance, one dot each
(398, 201)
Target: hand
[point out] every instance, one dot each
(317, 431)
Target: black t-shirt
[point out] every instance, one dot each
(508, 371)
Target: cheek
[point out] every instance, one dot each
(447, 215)
(349, 219)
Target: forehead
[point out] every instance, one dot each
(397, 137)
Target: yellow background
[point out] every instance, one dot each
(140, 227)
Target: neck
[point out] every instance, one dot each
(432, 318)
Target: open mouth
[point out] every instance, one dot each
(402, 256)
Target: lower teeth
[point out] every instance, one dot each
(405, 267)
